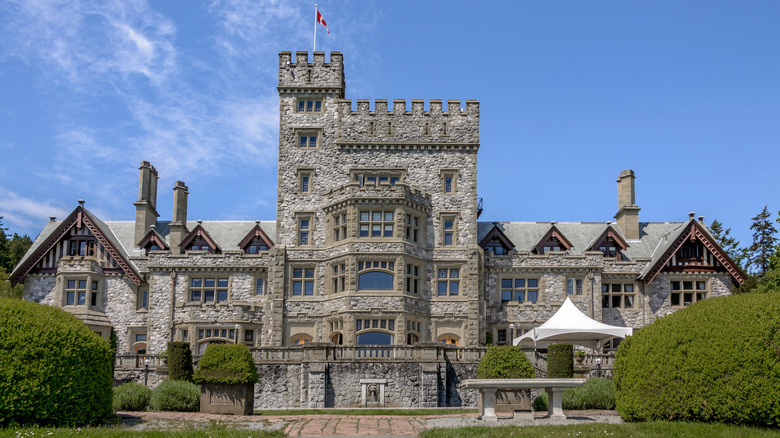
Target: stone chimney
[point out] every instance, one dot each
(628, 212)
(178, 225)
(146, 207)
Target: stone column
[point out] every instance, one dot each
(429, 379)
(488, 404)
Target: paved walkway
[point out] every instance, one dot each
(342, 425)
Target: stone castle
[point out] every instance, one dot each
(376, 271)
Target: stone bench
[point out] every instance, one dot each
(554, 388)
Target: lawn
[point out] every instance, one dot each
(634, 430)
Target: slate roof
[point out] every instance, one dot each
(526, 235)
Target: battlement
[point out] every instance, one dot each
(403, 125)
(306, 75)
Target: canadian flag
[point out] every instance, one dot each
(322, 21)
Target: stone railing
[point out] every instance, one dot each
(136, 361)
(588, 365)
(330, 352)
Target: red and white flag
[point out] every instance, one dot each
(321, 21)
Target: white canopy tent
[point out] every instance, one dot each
(569, 325)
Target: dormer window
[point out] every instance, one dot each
(82, 247)
(257, 245)
(553, 245)
(553, 242)
(610, 244)
(200, 240)
(256, 241)
(199, 245)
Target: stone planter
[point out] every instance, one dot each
(222, 398)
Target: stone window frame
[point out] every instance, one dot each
(307, 134)
(203, 287)
(261, 285)
(142, 294)
(697, 290)
(413, 227)
(448, 339)
(447, 277)
(574, 285)
(93, 290)
(336, 332)
(612, 290)
(448, 233)
(378, 176)
(134, 345)
(303, 279)
(384, 325)
(414, 279)
(367, 217)
(499, 332)
(310, 105)
(526, 287)
(364, 266)
(339, 225)
(305, 177)
(414, 328)
(338, 276)
(449, 181)
(304, 234)
(300, 339)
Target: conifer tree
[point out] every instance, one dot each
(729, 244)
(764, 241)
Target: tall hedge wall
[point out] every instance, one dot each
(504, 362)
(53, 369)
(560, 361)
(179, 361)
(717, 360)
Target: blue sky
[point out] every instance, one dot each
(685, 93)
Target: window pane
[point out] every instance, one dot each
(701, 285)
(519, 282)
(221, 295)
(448, 224)
(533, 295)
(309, 105)
(208, 295)
(82, 298)
(359, 325)
(82, 284)
(297, 287)
(375, 338)
(195, 295)
(629, 301)
(376, 230)
(533, 282)
(628, 288)
(312, 142)
(454, 287)
(374, 280)
(454, 273)
(442, 288)
(222, 282)
(71, 284)
(675, 285)
(363, 230)
(94, 285)
(615, 301)
(506, 295)
(317, 106)
(687, 285)
(507, 283)
(303, 142)
(364, 215)
(71, 299)
(308, 273)
(210, 282)
(388, 231)
(388, 215)
(301, 105)
(448, 238)
(617, 287)
(676, 299)
(309, 288)
(260, 286)
(520, 296)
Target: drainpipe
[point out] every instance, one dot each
(173, 304)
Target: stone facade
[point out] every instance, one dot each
(376, 241)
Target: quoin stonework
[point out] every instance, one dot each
(376, 285)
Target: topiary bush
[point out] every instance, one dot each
(54, 370)
(504, 362)
(715, 361)
(226, 363)
(176, 395)
(131, 397)
(179, 361)
(560, 361)
(594, 394)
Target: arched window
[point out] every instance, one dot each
(412, 339)
(337, 339)
(375, 338)
(375, 280)
(448, 339)
(301, 339)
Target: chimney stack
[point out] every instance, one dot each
(628, 212)
(178, 226)
(146, 207)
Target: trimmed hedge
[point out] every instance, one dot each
(717, 360)
(179, 361)
(596, 393)
(560, 361)
(226, 363)
(131, 397)
(54, 370)
(177, 396)
(504, 362)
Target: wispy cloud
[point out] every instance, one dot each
(19, 212)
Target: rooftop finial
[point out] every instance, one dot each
(692, 214)
(81, 202)
(52, 218)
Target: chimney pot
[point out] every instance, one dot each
(52, 219)
(81, 202)
(701, 219)
(691, 214)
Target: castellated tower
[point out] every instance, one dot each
(376, 213)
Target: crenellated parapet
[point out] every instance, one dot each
(317, 77)
(401, 125)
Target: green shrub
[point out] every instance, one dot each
(176, 395)
(131, 397)
(716, 360)
(594, 394)
(179, 361)
(504, 362)
(226, 363)
(560, 361)
(54, 370)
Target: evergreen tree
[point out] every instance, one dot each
(729, 244)
(764, 241)
(11, 252)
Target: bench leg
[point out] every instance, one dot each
(555, 403)
(488, 404)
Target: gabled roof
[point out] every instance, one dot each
(552, 232)
(79, 217)
(670, 243)
(201, 232)
(609, 231)
(153, 236)
(255, 232)
(498, 234)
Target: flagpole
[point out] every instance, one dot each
(315, 27)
